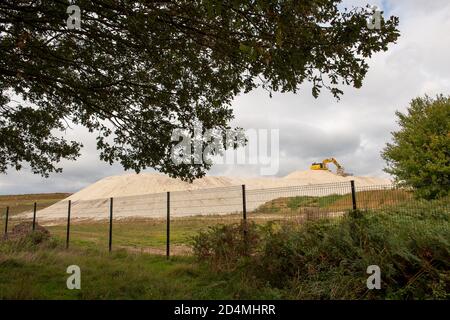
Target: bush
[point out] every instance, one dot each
(223, 245)
(22, 236)
(328, 259)
(323, 260)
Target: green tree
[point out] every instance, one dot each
(136, 70)
(419, 155)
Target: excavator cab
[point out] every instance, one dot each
(318, 166)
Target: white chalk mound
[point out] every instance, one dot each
(144, 194)
(145, 183)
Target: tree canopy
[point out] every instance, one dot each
(419, 155)
(137, 70)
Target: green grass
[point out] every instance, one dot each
(41, 274)
(148, 235)
(305, 201)
(139, 233)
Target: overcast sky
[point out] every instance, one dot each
(354, 129)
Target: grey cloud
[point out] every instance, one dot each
(307, 141)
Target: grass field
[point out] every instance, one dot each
(24, 202)
(316, 261)
(147, 235)
(41, 274)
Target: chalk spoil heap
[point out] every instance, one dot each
(144, 194)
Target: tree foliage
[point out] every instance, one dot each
(419, 155)
(136, 70)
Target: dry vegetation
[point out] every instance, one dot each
(24, 202)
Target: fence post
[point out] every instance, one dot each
(68, 223)
(244, 217)
(6, 222)
(352, 184)
(244, 203)
(110, 222)
(34, 216)
(168, 226)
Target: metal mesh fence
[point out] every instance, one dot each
(140, 223)
(196, 210)
(299, 203)
(16, 217)
(381, 196)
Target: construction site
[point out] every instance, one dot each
(144, 195)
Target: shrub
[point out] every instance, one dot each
(223, 245)
(328, 259)
(22, 236)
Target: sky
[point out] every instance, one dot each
(354, 129)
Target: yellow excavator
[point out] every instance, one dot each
(324, 166)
